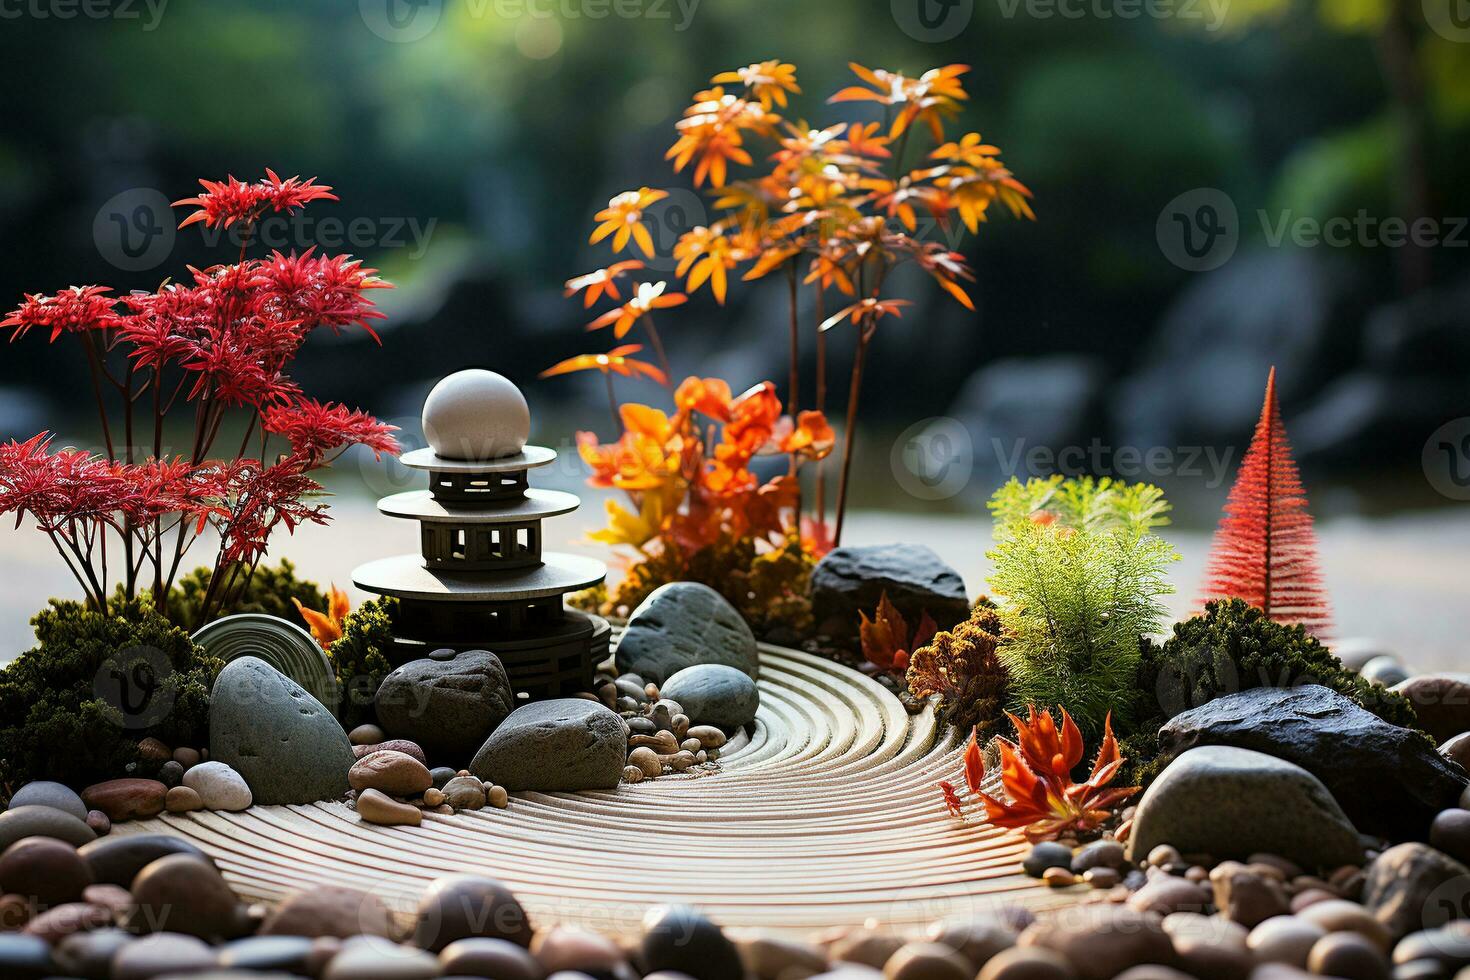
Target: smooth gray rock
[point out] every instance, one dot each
(58, 796)
(713, 694)
(282, 740)
(20, 822)
(1232, 803)
(1388, 780)
(682, 624)
(849, 581)
(1384, 670)
(561, 744)
(448, 705)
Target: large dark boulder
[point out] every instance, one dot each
(852, 580)
(1389, 780)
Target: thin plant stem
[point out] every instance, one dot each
(793, 391)
(658, 349)
(821, 481)
(865, 335)
(612, 402)
(95, 366)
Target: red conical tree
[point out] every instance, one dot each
(1265, 551)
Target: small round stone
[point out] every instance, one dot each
(163, 953)
(1101, 877)
(89, 954)
(681, 940)
(565, 948)
(45, 870)
(1450, 833)
(1027, 963)
(182, 799)
(465, 906)
(476, 415)
(482, 956)
(1099, 854)
(1059, 877)
(219, 787)
(24, 957)
(170, 774)
(99, 823)
(927, 961)
(186, 757)
(1164, 856)
(180, 893)
(374, 806)
(1339, 915)
(1348, 955)
(1284, 939)
(498, 797)
(1047, 854)
(43, 792)
(367, 735)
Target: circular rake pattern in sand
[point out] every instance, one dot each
(825, 814)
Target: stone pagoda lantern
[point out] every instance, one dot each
(482, 579)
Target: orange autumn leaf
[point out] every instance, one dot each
(1036, 774)
(885, 638)
(649, 297)
(619, 360)
(707, 396)
(601, 282)
(811, 436)
(326, 627)
(952, 801)
(768, 81)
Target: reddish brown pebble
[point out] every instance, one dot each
(1058, 877)
(1347, 955)
(1101, 877)
(1027, 964)
(1309, 898)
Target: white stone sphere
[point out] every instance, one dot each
(476, 415)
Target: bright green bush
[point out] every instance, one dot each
(1079, 572)
(74, 707)
(361, 658)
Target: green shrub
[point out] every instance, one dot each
(1079, 572)
(74, 707)
(361, 658)
(270, 590)
(1234, 647)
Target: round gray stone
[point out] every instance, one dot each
(267, 728)
(713, 694)
(561, 744)
(448, 705)
(58, 796)
(20, 822)
(682, 624)
(1233, 803)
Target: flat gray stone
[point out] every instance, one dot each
(58, 796)
(1232, 803)
(561, 744)
(448, 706)
(20, 822)
(286, 745)
(682, 624)
(713, 694)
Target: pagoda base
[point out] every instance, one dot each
(550, 660)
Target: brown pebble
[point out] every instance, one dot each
(1284, 939)
(1347, 955)
(1027, 963)
(1339, 915)
(1058, 878)
(154, 750)
(15, 912)
(927, 961)
(498, 797)
(1101, 877)
(433, 797)
(374, 806)
(187, 757)
(1287, 868)
(1310, 897)
(182, 799)
(44, 870)
(100, 823)
(1164, 855)
(112, 897)
(1197, 874)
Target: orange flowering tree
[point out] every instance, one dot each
(833, 210)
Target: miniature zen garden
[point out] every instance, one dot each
(760, 753)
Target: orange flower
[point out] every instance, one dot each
(602, 282)
(635, 462)
(623, 217)
(650, 297)
(930, 97)
(711, 129)
(618, 361)
(707, 396)
(811, 437)
(869, 309)
(768, 81)
(860, 140)
(1036, 772)
(704, 254)
(326, 627)
(952, 801)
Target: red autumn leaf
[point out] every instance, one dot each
(886, 640)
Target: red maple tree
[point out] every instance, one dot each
(1265, 550)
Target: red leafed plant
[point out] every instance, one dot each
(220, 343)
(886, 639)
(1036, 773)
(1265, 550)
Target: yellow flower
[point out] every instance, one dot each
(623, 217)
